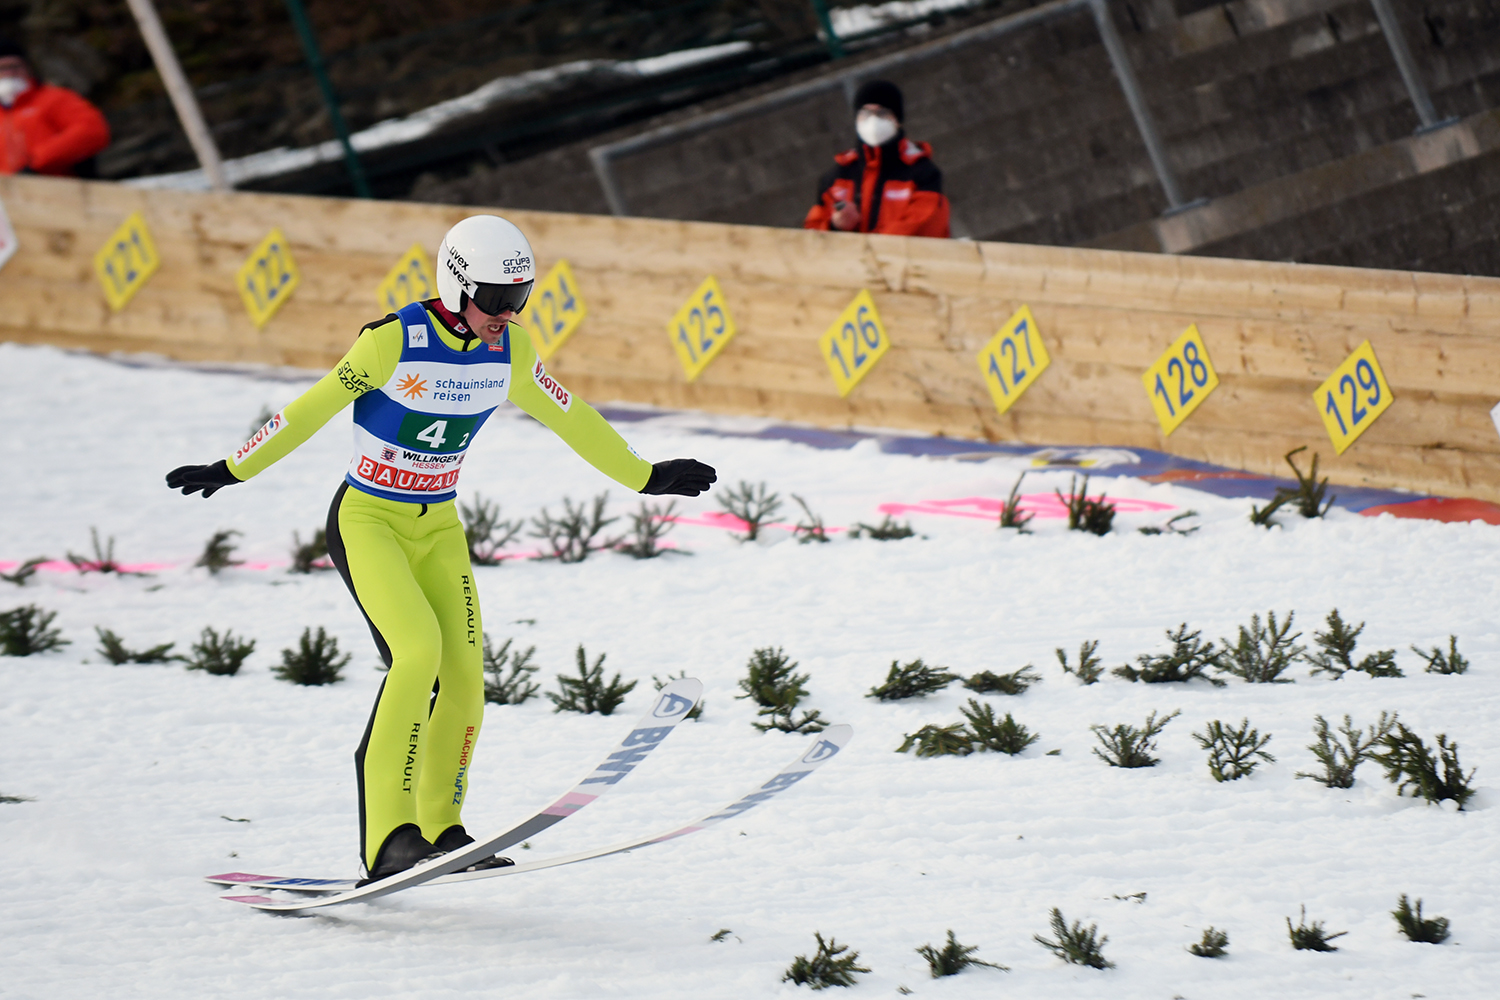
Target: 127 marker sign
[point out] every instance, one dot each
(1013, 359)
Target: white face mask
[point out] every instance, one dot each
(875, 130)
(12, 87)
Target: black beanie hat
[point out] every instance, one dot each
(11, 47)
(881, 92)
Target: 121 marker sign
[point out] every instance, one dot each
(1013, 359)
(1352, 397)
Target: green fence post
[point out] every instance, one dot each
(830, 38)
(315, 63)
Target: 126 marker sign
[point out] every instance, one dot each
(1013, 359)
(1352, 397)
(1180, 380)
(854, 342)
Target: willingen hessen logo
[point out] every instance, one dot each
(822, 751)
(672, 704)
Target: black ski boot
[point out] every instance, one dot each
(403, 848)
(456, 836)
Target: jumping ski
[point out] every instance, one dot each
(672, 705)
(827, 746)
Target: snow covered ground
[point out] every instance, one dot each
(144, 778)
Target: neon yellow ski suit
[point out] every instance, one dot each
(398, 543)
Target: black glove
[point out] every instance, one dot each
(208, 478)
(685, 477)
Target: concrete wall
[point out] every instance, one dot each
(1274, 331)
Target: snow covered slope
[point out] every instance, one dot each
(144, 778)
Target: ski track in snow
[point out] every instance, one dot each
(133, 768)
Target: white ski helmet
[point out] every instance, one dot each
(486, 260)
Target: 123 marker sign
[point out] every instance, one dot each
(1180, 380)
(1013, 359)
(854, 342)
(701, 328)
(1352, 397)
(126, 261)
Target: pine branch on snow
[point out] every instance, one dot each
(1411, 763)
(1336, 652)
(1233, 753)
(113, 649)
(1438, 662)
(1262, 652)
(1015, 682)
(647, 527)
(314, 662)
(1127, 746)
(588, 692)
(887, 530)
(1001, 735)
(512, 686)
(829, 966)
(23, 572)
(911, 680)
(1426, 930)
(487, 533)
(1310, 937)
(939, 741)
(222, 655)
(25, 631)
(1076, 945)
(1340, 758)
(310, 556)
(953, 958)
(1214, 944)
(752, 505)
(1189, 658)
(1088, 670)
(218, 553)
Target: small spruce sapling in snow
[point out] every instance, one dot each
(1439, 662)
(752, 505)
(222, 655)
(1170, 528)
(1076, 945)
(1336, 652)
(811, 529)
(911, 680)
(14, 798)
(23, 572)
(1340, 758)
(772, 682)
(647, 528)
(1411, 764)
(1264, 517)
(939, 741)
(103, 560)
(314, 662)
(887, 530)
(662, 682)
(953, 958)
(113, 649)
(512, 686)
(829, 966)
(1015, 682)
(1094, 515)
(486, 533)
(1010, 511)
(1262, 652)
(1233, 753)
(218, 553)
(1088, 670)
(1425, 930)
(1310, 937)
(1001, 735)
(587, 692)
(310, 556)
(1189, 658)
(1214, 944)
(26, 630)
(1308, 496)
(570, 538)
(1127, 746)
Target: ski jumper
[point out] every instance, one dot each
(421, 391)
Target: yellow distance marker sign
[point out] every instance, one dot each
(701, 328)
(854, 342)
(1013, 359)
(268, 277)
(1352, 397)
(126, 261)
(1180, 380)
(554, 310)
(411, 280)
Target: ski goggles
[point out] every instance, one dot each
(494, 299)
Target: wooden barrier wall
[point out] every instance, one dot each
(1273, 331)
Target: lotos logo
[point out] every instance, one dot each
(822, 751)
(267, 431)
(412, 386)
(670, 705)
(550, 386)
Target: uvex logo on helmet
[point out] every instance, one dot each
(457, 266)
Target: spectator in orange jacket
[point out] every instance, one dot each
(885, 184)
(43, 129)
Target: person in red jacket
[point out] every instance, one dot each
(43, 129)
(887, 183)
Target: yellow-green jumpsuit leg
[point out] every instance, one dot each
(407, 565)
